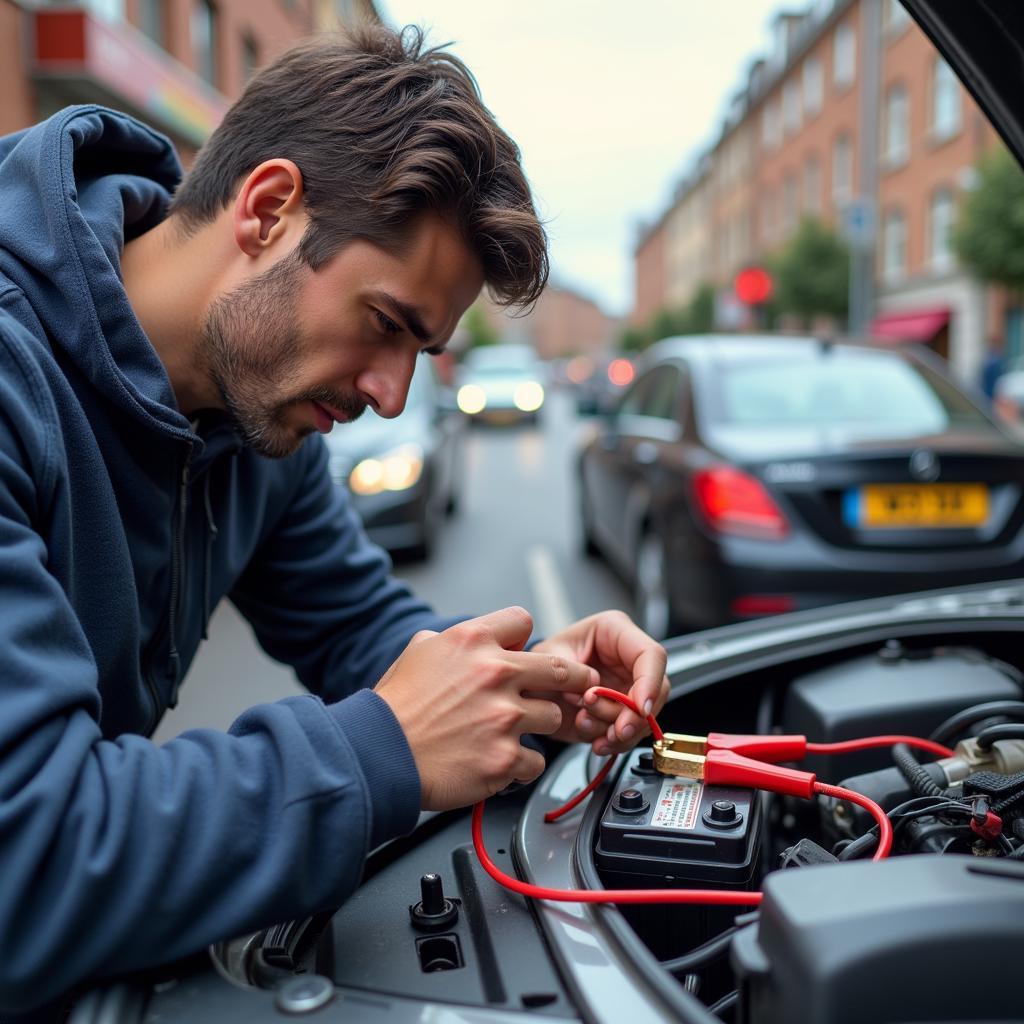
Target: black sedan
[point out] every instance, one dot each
(403, 473)
(744, 476)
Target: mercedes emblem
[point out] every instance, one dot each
(924, 465)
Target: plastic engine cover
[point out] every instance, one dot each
(912, 939)
(893, 691)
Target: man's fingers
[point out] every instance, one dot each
(508, 627)
(529, 766)
(616, 720)
(551, 672)
(423, 634)
(541, 716)
(647, 661)
(645, 698)
(604, 709)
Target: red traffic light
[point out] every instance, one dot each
(753, 286)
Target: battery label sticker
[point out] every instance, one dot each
(678, 804)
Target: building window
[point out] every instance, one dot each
(814, 86)
(109, 10)
(250, 58)
(945, 101)
(791, 106)
(790, 204)
(897, 127)
(844, 56)
(812, 186)
(842, 170)
(770, 126)
(766, 215)
(942, 215)
(894, 245)
(204, 39)
(894, 18)
(151, 19)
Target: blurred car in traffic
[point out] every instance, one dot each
(403, 473)
(599, 381)
(743, 476)
(501, 384)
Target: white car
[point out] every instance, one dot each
(501, 384)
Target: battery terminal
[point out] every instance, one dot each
(680, 755)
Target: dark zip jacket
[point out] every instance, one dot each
(121, 527)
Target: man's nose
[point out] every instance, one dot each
(386, 384)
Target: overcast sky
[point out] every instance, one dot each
(609, 102)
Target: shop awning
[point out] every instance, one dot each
(917, 325)
(82, 58)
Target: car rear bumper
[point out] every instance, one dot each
(395, 520)
(737, 578)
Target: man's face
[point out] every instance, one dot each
(292, 350)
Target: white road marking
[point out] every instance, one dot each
(554, 612)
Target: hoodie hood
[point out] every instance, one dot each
(76, 187)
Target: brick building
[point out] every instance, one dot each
(562, 323)
(650, 272)
(792, 146)
(176, 64)
(688, 242)
(932, 135)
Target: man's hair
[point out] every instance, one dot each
(382, 130)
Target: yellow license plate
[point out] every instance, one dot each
(900, 506)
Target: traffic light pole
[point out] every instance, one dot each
(862, 249)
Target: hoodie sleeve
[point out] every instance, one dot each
(319, 593)
(117, 854)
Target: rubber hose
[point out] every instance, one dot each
(920, 781)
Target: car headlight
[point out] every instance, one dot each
(396, 470)
(528, 396)
(471, 399)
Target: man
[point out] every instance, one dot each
(160, 377)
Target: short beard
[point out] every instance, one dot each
(252, 353)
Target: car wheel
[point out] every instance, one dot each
(587, 542)
(652, 606)
(430, 527)
(451, 506)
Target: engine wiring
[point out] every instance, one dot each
(710, 950)
(953, 725)
(723, 763)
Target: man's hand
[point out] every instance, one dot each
(627, 660)
(464, 697)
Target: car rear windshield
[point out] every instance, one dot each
(501, 359)
(870, 391)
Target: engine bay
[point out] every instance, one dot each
(820, 959)
(820, 931)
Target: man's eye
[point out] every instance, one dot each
(387, 323)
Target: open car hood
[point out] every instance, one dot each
(983, 41)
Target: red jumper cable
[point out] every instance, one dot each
(722, 759)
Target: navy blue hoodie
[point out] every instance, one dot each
(121, 526)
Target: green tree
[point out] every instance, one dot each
(696, 317)
(478, 327)
(634, 339)
(812, 273)
(701, 311)
(989, 237)
(668, 322)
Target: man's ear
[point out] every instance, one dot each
(268, 206)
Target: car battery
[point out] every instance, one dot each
(660, 831)
(663, 831)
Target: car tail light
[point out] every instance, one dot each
(736, 502)
(621, 372)
(761, 604)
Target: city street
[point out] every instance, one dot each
(514, 540)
